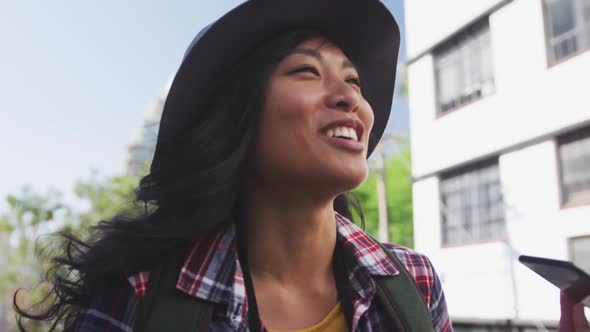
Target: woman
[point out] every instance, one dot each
(267, 126)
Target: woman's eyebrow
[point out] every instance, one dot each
(308, 51)
(316, 54)
(348, 64)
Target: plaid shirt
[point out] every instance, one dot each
(212, 272)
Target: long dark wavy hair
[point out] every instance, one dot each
(193, 192)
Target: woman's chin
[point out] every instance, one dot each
(351, 180)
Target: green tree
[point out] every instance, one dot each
(366, 194)
(29, 215)
(398, 187)
(399, 198)
(106, 197)
(24, 249)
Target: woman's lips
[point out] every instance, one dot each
(345, 144)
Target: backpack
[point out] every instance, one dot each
(164, 308)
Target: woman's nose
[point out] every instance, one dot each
(343, 96)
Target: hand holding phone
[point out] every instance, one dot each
(575, 287)
(572, 280)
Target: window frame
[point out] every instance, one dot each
(454, 43)
(473, 169)
(582, 32)
(570, 247)
(573, 136)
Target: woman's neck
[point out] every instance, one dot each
(291, 244)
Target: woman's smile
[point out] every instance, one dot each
(345, 134)
(315, 125)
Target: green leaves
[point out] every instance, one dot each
(398, 185)
(107, 197)
(5, 226)
(25, 253)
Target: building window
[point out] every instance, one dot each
(472, 205)
(580, 252)
(568, 27)
(463, 68)
(574, 162)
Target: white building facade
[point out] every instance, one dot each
(499, 96)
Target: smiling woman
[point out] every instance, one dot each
(313, 108)
(266, 128)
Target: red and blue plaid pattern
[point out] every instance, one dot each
(212, 272)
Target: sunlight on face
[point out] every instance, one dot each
(315, 124)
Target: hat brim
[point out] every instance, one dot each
(364, 29)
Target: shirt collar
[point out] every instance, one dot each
(362, 250)
(212, 270)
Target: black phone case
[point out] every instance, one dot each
(572, 280)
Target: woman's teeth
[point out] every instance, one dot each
(342, 132)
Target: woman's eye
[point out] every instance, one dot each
(354, 80)
(306, 69)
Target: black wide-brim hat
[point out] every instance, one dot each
(365, 30)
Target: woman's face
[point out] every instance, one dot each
(315, 124)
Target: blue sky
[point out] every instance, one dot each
(77, 76)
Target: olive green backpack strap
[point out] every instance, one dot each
(402, 299)
(165, 308)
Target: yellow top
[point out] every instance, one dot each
(333, 322)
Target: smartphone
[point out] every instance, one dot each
(564, 274)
